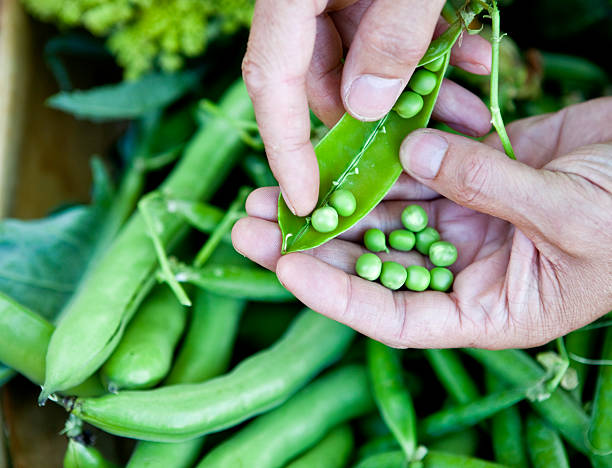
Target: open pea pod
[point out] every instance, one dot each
(362, 157)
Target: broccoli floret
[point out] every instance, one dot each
(143, 34)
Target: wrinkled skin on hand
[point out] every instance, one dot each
(534, 238)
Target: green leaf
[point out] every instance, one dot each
(128, 99)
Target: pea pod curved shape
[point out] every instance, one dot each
(79, 455)
(362, 157)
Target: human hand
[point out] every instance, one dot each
(294, 58)
(534, 238)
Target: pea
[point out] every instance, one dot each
(423, 82)
(344, 202)
(402, 239)
(368, 266)
(442, 253)
(441, 279)
(374, 240)
(393, 275)
(408, 105)
(425, 238)
(414, 218)
(436, 64)
(417, 278)
(324, 219)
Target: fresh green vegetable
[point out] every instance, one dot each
(80, 455)
(259, 383)
(324, 219)
(144, 355)
(417, 278)
(331, 452)
(402, 239)
(425, 238)
(435, 65)
(600, 428)
(375, 241)
(423, 81)
(275, 438)
(396, 459)
(392, 275)
(545, 446)
(343, 201)
(452, 375)
(166, 454)
(414, 218)
(391, 395)
(442, 253)
(441, 279)
(408, 105)
(369, 266)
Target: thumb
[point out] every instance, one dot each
(482, 178)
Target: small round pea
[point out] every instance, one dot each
(417, 278)
(344, 202)
(324, 219)
(402, 239)
(414, 218)
(374, 240)
(442, 253)
(423, 82)
(393, 275)
(408, 105)
(368, 266)
(436, 64)
(441, 279)
(425, 238)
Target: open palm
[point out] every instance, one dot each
(534, 239)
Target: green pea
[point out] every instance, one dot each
(414, 218)
(374, 240)
(368, 266)
(423, 82)
(436, 64)
(408, 105)
(344, 202)
(402, 239)
(324, 219)
(393, 275)
(441, 279)
(425, 238)
(417, 278)
(442, 253)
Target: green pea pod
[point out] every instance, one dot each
(391, 395)
(249, 283)
(259, 383)
(600, 428)
(275, 438)
(258, 170)
(361, 157)
(461, 443)
(144, 355)
(79, 455)
(452, 374)
(545, 446)
(396, 459)
(581, 343)
(507, 431)
(166, 454)
(97, 315)
(24, 338)
(332, 452)
(466, 415)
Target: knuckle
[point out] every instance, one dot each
(472, 180)
(393, 46)
(254, 75)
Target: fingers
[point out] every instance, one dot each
(275, 66)
(471, 53)
(462, 110)
(392, 37)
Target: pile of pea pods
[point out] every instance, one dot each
(176, 341)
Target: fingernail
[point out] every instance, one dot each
(288, 202)
(369, 97)
(422, 154)
(476, 68)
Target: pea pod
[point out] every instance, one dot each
(144, 355)
(391, 395)
(259, 383)
(97, 315)
(600, 428)
(275, 438)
(331, 452)
(452, 374)
(80, 455)
(24, 337)
(166, 454)
(396, 459)
(545, 446)
(361, 157)
(581, 343)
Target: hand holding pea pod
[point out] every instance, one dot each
(533, 238)
(295, 58)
